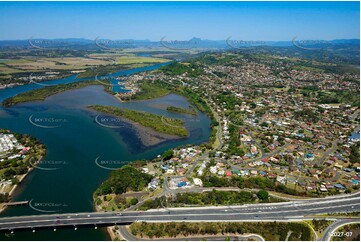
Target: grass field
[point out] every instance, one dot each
(10, 66)
(49, 64)
(125, 60)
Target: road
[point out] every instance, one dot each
(269, 212)
(334, 226)
(172, 192)
(260, 147)
(328, 152)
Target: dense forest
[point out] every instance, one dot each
(127, 178)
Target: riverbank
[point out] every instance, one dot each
(173, 127)
(181, 110)
(149, 137)
(158, 88)
(53, 186)
(16, 163)
(42, 93)
(14, 187)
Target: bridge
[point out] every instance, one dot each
(16, 203)
(284, 211)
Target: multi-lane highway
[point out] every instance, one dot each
(269, 212)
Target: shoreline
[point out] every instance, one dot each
(109, 229)
(13, 189)
(150, 137)
(147, 135)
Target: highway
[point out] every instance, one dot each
(267, 211)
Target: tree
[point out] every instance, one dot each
(127, 178)
(4, 197)
(167, 154)
(355, 153)
(262, 195)
(133, 201)
(9, 173)
(14, 181)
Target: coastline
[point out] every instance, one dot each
(147, 135)
(13, 189)
(21, 178)
(110, 232)
(150, 137)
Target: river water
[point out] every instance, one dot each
(74, 141)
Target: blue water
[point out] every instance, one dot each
(78, 140)
(10, 92)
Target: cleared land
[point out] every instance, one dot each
(125, 60)
(49, 64)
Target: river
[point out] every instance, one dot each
(74, 141)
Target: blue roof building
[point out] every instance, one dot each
(182, 184)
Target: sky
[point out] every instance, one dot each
(266, 21)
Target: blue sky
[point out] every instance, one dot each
(180, 20)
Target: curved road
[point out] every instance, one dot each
(334, 226)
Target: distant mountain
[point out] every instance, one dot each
(195, 42)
